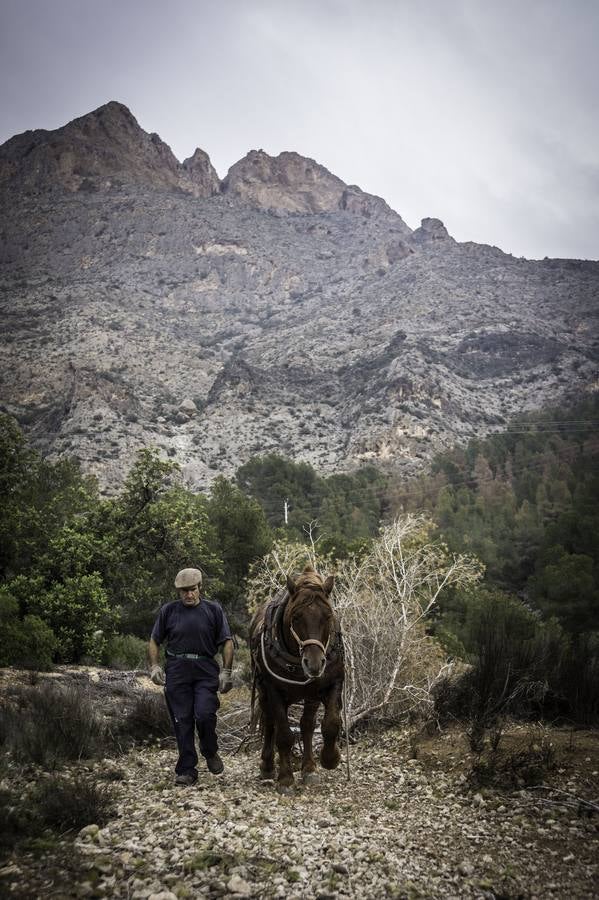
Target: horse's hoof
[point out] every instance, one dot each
(310, 777)
(284, 789)
(330, 762)
(267, 776)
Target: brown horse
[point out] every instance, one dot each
(297, 655)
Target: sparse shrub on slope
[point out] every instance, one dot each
(50, 725)
(72, 803)
(147, 718)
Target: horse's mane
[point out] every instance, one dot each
(309, 578)
(309, 588)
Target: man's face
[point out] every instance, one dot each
(190, 596)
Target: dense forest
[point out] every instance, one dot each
(525, 502)
(344, 510)
(82, 576)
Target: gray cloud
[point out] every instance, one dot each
(482, 114)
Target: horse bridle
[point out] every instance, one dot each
(301, 644)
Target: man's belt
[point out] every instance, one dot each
(188, 655)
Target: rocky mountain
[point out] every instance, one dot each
(103, 150)
(145, 302)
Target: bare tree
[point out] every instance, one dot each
(268, 575)
(384, 598)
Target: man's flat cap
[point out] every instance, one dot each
(188, 578)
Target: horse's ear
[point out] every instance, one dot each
(328, 584)
(309, 568)
(290, 584)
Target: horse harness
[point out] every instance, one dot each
(272, 653)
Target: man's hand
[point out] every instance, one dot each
(157, 675)
(225, 681)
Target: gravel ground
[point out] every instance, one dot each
(400, 828)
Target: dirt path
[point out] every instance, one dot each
(401, 828)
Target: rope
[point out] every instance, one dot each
(274, 674)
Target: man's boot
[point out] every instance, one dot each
(215, 764)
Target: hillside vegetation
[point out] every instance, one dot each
(83, 576)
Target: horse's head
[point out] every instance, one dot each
(309, 619)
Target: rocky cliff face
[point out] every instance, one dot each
(291, 183)
(278, 311)
(102, 150)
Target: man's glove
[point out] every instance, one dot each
(157, 675)
(225, 681)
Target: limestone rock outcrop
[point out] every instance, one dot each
(102, 150)
(431, 230)
(295, 184)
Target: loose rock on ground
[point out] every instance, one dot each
(400, 828)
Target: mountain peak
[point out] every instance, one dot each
(293, 183)
(111, 110)
(107, 149)
(431, 230)
(103, 149)
(114, 107)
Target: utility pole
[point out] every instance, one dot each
(286, 509)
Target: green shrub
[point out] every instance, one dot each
(126, 651)
(520, 665)
(27, 643)
(77, 611)
(510, 652)
(243, 664)
(575, 680)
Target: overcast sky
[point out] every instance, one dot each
(483, 113)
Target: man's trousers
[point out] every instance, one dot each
(191, 696)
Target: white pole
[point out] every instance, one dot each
(286, 508)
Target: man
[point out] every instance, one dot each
(194, 628)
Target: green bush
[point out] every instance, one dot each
(78, 613)
(243, 664)
(125, 651)
(575, 680)
(27, 643)
(519, 664)
(510, 652)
